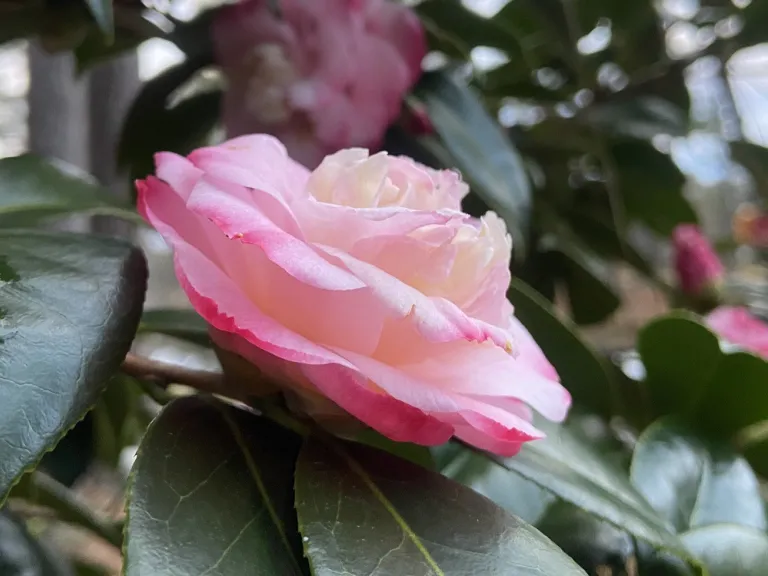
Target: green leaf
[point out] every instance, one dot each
(210, 493)
(483, 153)
(194, 37)
(22, 555)
(728, 550)
(571, 469)
(412, 452)
(184, 324)
(602, 237)
(642, 118)
(69, 308)
(362, 511)
(737, 395)
(102, 13)
(511, 491)
(590, 295)
(153, 124)
(589, 541)
(453, 18)
(131, 29)
(693, 482)
(33, 189)
(581, 371)
(651, 186)
(680, 356)
(116, 421)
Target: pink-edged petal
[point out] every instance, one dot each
(489, 443)
(245, 222)
(392, 418)
(438, 320)
(166, 211)
(254, 161)
(178, 172)
(486, 371)
(528, 351)
(344, 226)
(496, 429)
(223, 305)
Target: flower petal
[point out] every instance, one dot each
(238, 219)
(396, 420)
(438, 320)
(220, 301)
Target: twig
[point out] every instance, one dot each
(164, 374)
(49, 493)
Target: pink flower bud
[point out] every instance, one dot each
(698, 267)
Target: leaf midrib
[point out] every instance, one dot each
(355, 466)
(253, 469)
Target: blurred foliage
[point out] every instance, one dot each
(560, 134)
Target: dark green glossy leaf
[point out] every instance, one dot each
(651, 186)
(472, 29)
(118, 419)
(728, 550)
(737, 395)
(412, 452)
(601, 548)
(511, 491)
(589, 541)
(131, 29)
(194, 36)
(73, 454)
(601, 236)
(581, 371)
(102, 13)
(482, 152)
(641, 118)
(211, 494)
(184, 324)
(153, 125)
(69, 308)
(586, 278)
(22, 555)
(33, 189)
(680, 357)
(571, 469)
(692, 482)
(362, 511)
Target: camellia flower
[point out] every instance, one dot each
(737, 326)
(320, 75)
(361, 283)
(699, 270)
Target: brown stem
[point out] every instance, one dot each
(164, 373)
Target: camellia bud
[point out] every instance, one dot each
(699, 270)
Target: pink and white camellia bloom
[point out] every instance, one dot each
(738, 327)
(361, 283)
(320, 75)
